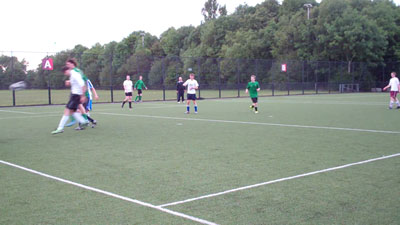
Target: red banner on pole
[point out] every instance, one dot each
(284, 68)
(47, 64)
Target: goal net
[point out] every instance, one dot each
(345, 88)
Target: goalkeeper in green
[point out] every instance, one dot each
(253, 87)
(139, 85)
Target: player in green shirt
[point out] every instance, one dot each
(139, 85)
(253, 87)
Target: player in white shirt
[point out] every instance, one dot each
(394, 86)
(128, 88)
(192, 86)
(78, 89)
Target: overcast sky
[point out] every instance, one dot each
(52, 26)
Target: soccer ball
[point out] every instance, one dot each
(18, 86)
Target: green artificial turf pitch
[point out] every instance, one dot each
(158, 155)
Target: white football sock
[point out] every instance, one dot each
(63, 121)
(79, 117)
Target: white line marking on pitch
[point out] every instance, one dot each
(256, 123)
(279, 180)
(28, 117)
(111, 194)
(318, 102)
(12, 111)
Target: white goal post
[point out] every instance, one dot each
(343, 88)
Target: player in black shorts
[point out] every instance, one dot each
(180, 90)
(128, 86)
(77, 96)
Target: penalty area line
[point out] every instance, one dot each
(145, 204)
(279, 180)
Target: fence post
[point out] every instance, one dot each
(273, 89)
(341, 74)
(316, 78)
(302, 78)
(238, 77)
(199, 69)
(163, 76)
(12, 77)
(352, 72)
(111, 78)
(49, 87)
(287, 78)
(329, 78)
(219, 78)
(13, 97)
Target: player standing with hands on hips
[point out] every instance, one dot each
(253, 87)
(394, 86)
(192, 86)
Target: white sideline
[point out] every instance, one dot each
(28, 117)
(255, 123)
(279, 180)
(11, 111)
(111, 194)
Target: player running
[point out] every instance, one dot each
(253, 87)
(192, 86)
(128, 91)
(139, 85)
(394, 86)
(87, 106)
(72, 64)
(78, 90)
(180, 90)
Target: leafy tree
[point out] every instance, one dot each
(352, 37)
(211, 10)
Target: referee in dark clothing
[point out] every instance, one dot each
(180, 90)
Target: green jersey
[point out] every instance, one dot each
(85, 78)
(252, 87)
(140, 85)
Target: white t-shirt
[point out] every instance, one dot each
(76, 83)
(128, 86)
(191, 85)
(394, 84)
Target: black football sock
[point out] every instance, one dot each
(130, 105)
(256, 108)
(90, 119)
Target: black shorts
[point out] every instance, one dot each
(128, 93)
(139, 91)
(255, 100)
(74, 101)
(191, 97)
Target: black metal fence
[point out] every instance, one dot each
(218, 77)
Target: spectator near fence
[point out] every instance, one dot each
(180, 90)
